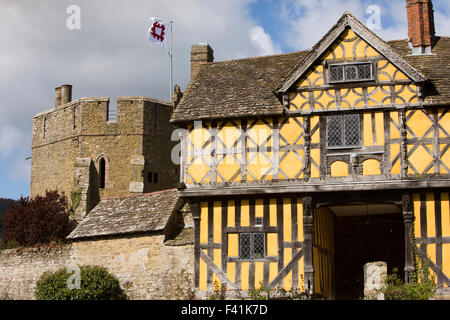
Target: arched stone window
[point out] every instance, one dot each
(102, 172)
(102, 165)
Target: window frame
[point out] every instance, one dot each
(343, 146)
(343, 65)
(252, 246)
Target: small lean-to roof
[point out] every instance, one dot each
(128, 215)
(248, 87)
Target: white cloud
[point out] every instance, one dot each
(263, 41)
(10, 140)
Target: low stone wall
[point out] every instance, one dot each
(150, 268)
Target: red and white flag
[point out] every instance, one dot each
(159, 32)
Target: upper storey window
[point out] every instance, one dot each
(344, 131)
(350, 72)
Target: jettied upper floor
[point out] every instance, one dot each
(355, 112)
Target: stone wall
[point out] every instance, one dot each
(149, 266)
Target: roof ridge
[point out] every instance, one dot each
(138, 195)
(259, 57)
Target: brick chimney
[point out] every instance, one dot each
(201, 53)
(421, 29)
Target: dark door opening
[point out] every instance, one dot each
(363, 239)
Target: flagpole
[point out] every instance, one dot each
(171, 67)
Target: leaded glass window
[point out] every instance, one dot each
(350, 72)
(252, 246)
(344, 131)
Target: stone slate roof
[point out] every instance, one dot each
(246, 87)
(127, 215)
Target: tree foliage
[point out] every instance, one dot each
(95, 283)
(40, 220)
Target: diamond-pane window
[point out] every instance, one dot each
(258, 245)
(350, 72)
(364, 71)
(245, 245)
(352, 130)
(252, 246)
(344, 131)
(334, 130)
(337, 73)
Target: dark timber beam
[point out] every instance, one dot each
(308, 222)
(195, 210)
(408, 218)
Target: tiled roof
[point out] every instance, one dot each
(125, 215)
(246, 87)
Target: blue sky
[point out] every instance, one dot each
(110, 55)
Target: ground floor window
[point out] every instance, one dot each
(252, 246)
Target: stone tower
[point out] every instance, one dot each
(79, 149)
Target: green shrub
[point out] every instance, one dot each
(96, 284)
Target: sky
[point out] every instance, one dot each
(104, 52)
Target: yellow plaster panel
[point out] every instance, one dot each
(272, 244)
(420, 159)
(315, 137)
(446, 259)
(292, 132)
(230, 134)
(273, 271)
(339, 169)
(273, 212)
(233, 245)
(259, 165)
(291, 163)
(379, 127)
(419, 123)
(445, 214)
(204, 222)
(431, 227)
(259, 208)
(231, 213)
(395, 150)
(287, 220)
(371, 167)
(445, 158)
(395, 133)
(231, 271)
(217, 261)
(228, 167)
(300, 100)
(416, 205)
(368, 132)
(300, 219)
(287, 281)
(315, 155)
(202, 286)
(199, 169)
(245, 268)
(444, 122)
(217, 211)
(245, 213)
(259, 274)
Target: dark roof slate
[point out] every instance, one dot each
(246, 87)
(126, 215)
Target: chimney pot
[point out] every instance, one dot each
(201, 53)
(66, 93)
(57, 96)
